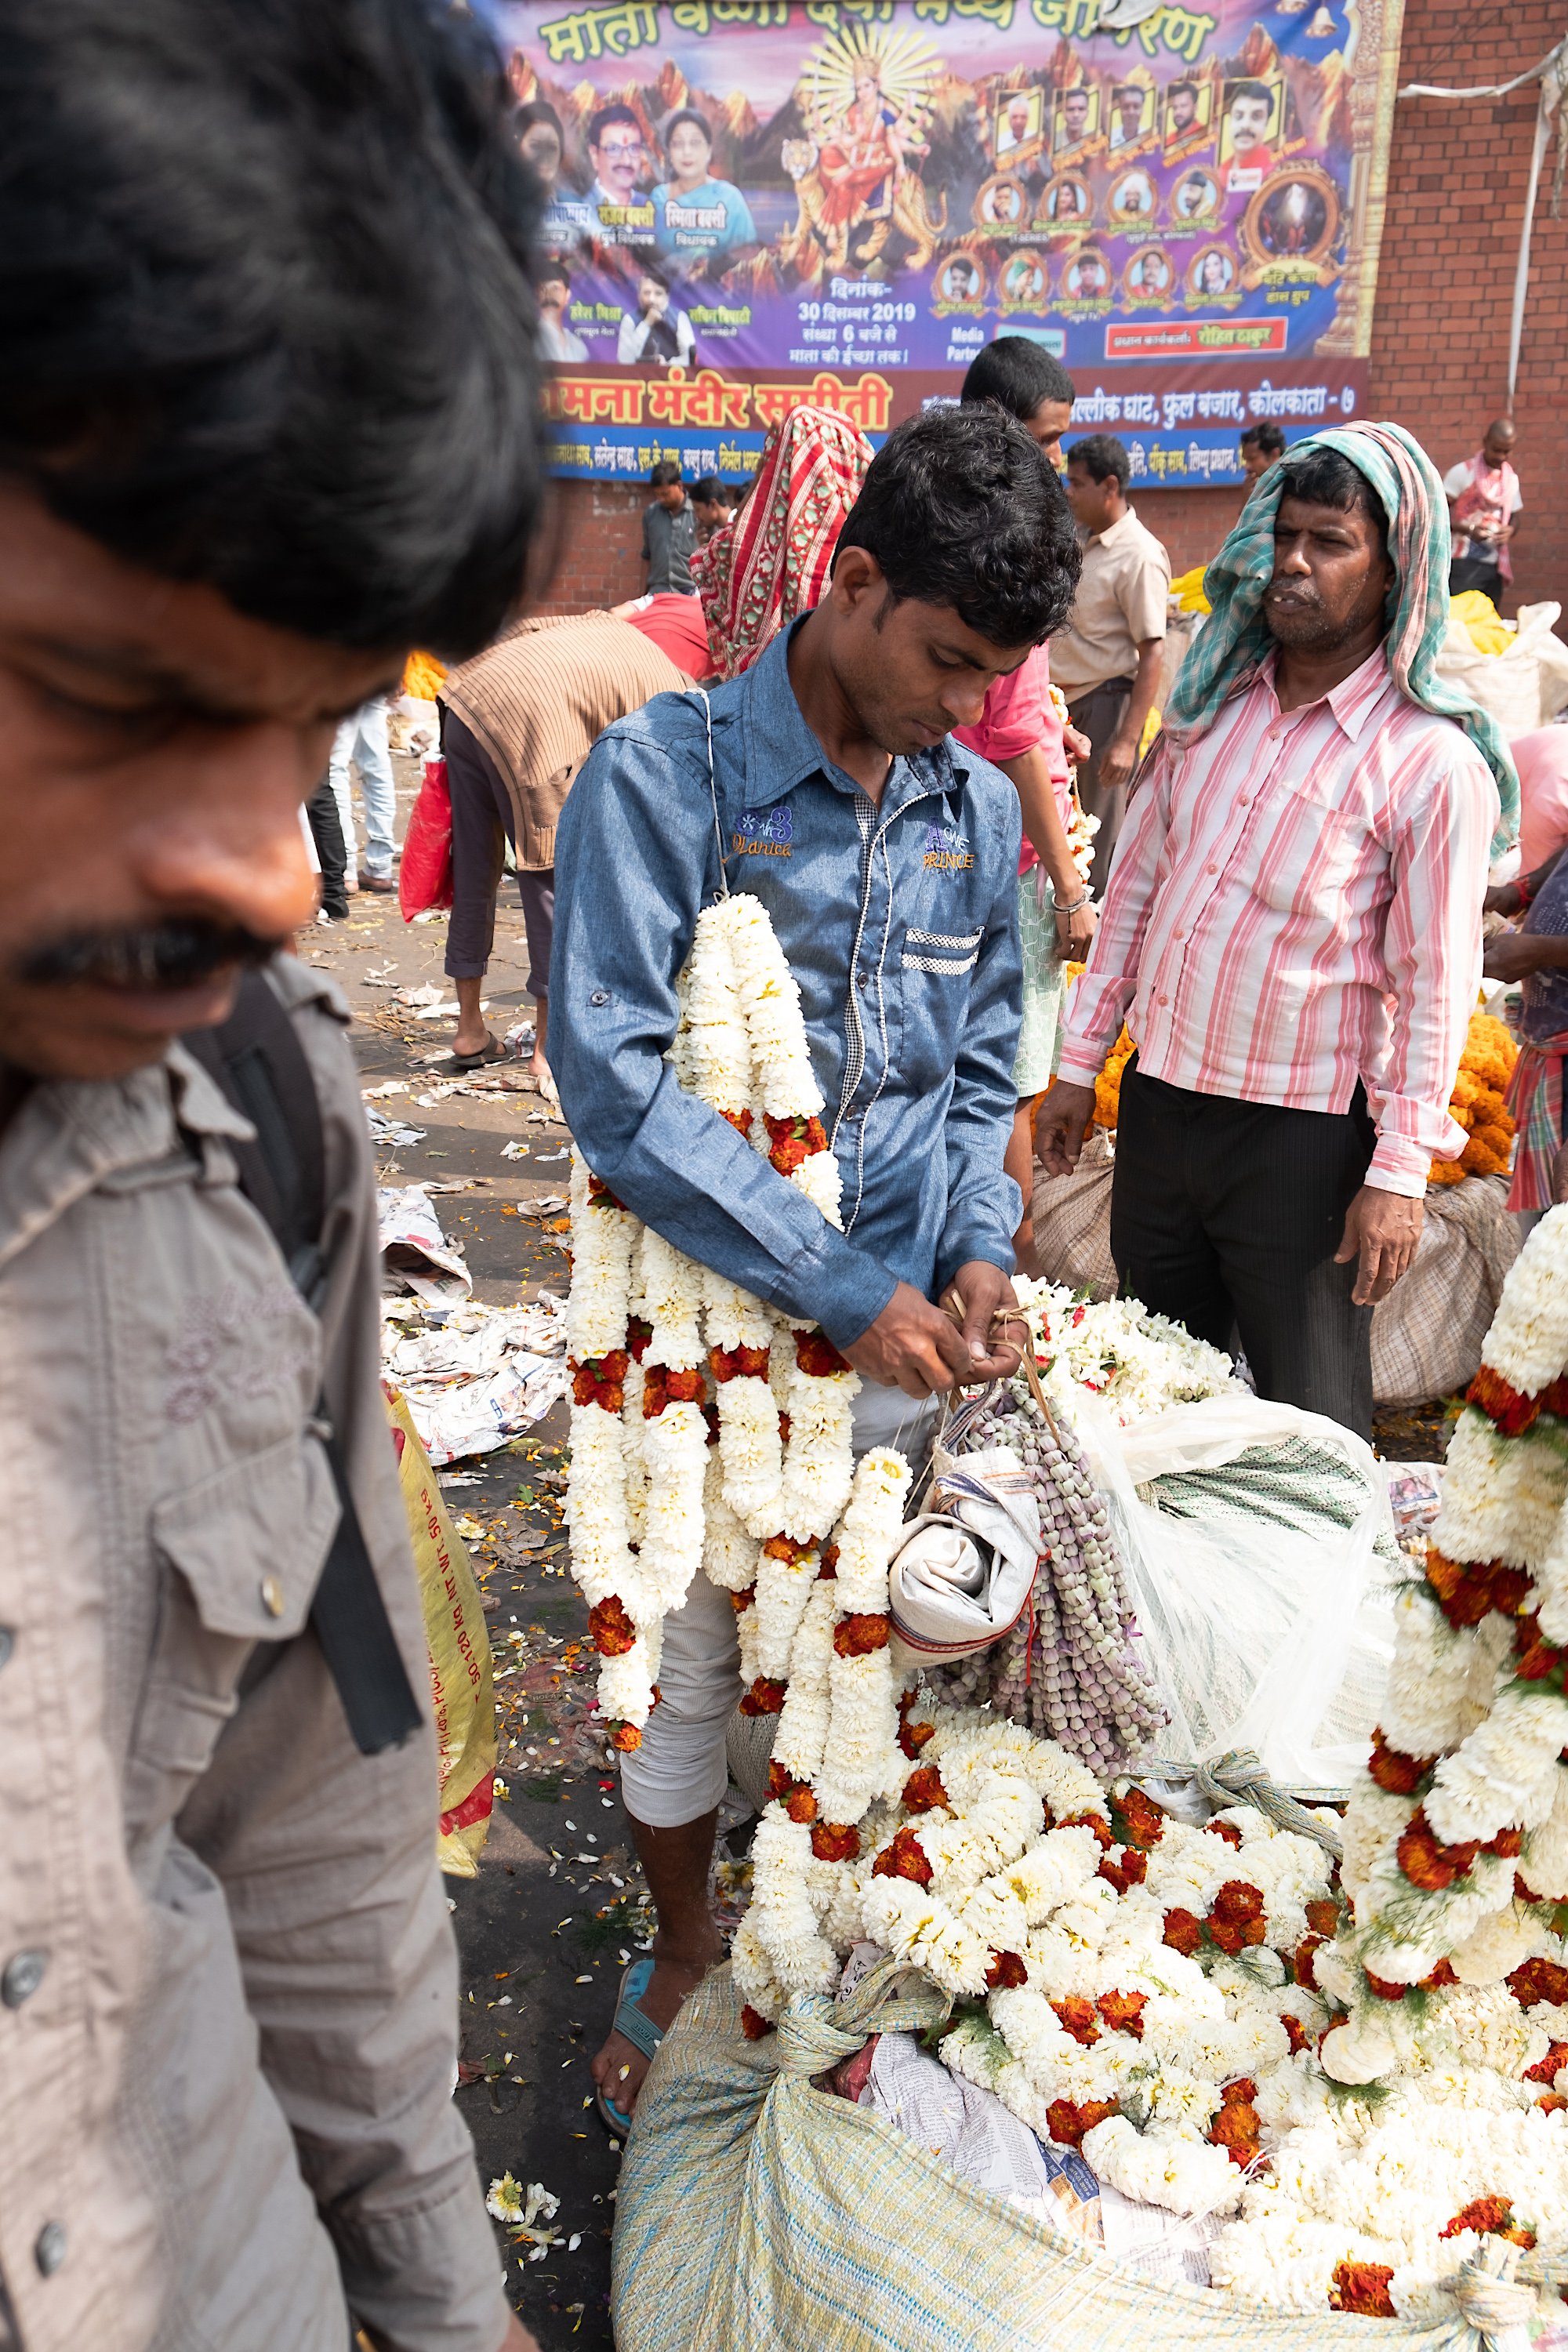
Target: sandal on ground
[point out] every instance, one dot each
(492, 1050)
(633, 2025)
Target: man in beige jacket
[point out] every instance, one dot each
(517, 723)
(232, 492)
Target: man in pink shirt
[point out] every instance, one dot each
(1293, 931)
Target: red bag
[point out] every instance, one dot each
(425, 878)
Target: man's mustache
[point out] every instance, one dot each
(178, 954)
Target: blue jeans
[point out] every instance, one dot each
(363, 739)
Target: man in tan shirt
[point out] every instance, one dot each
(517, 722)
(1107, 659)
(227, 1978)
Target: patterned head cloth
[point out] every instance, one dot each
(771, 564)
(1235, 639)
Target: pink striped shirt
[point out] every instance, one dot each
(1296, 904)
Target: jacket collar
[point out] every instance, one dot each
(781, 750)
(70, 1134)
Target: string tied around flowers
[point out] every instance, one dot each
(1491, 2304)
(816, 2032)
(1239, 1778)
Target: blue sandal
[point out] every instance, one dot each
(633, 2025)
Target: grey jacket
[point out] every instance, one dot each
(228, 1980)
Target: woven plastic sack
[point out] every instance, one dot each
(1072, 1222)
(1427, 1334)
(1256, 1585)
(1522, 688)
(462, 1692)
(425, 876)
(756, 2213)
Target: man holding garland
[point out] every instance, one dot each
(887, 859)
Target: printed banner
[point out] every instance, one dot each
(754, 203)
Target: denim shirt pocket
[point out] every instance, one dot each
(932, 978)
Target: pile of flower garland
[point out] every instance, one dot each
(1136, 1362)
(710, 1432)
(1485, 1068)
(1457, 1847)
(1157, 1994)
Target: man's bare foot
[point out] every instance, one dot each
(618, 2070)
(539, 1071)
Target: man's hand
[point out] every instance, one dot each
(1119, 759)
(982, 1290)
(1514, 954)
(911, 1346)
(1061, 1124)
(1077, 743)
(1382, 1230)
(1075, 933)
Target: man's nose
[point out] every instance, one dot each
(228, 837)
(1290, 556)
(963, 700)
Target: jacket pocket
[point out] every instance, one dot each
(934, 978)
(237, 1557)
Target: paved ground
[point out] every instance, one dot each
(544, 1925)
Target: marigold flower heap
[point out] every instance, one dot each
(709, 1431)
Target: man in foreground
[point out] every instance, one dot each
(1293, 930)
(1107, 659)
(890, 874)
(227, 1981)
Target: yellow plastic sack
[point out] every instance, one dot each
(1479, 614)
(462, 1693)
(1187, 592)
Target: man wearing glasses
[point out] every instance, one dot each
(617, 152)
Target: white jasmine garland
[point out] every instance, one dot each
(802, 1732)
(1528, 1343)
(1504, 1774)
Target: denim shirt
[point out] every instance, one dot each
(899, 922)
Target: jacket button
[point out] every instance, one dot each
(21, 1977)
(272, 1596)
(600, 996)
(7, 1643)
(49, 2251)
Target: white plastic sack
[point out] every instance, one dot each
(1522, 688)
(1258, 1636)
(962, 1573)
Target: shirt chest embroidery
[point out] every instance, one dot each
(947, 850)
(765, 832)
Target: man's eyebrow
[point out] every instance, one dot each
(132, 666)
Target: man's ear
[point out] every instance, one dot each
(856, 576)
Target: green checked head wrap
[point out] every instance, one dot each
(1234, 640)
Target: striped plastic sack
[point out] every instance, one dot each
(757, 2213)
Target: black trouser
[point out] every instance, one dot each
(327, 832)
(1481, 572)
(1098, 714)
(1225, 1216)
(482, 823)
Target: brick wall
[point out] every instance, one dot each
(1445, 286)
(1439, 359)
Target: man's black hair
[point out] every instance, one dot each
(1251, 89)
(961, 508)
(600, 123)
(263, 270)
(666, 470)
(1190, 86)
(1326, 478)
(1128, 89)
(1102, 454)
(709, 492)
(1267, 438)
(1019, 376)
